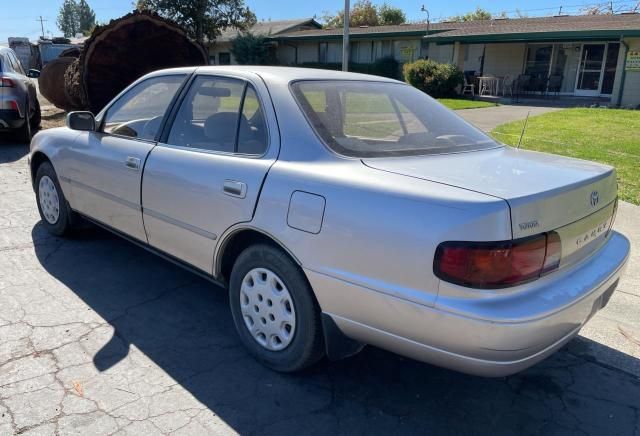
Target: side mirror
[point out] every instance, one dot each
(34, 74)
(84, 121)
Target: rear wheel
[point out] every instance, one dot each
(36, 118)
(24, 133)
(54, 210)
(274, 309)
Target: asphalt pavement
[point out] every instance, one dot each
(100, 337)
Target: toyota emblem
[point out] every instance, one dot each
(595, 198)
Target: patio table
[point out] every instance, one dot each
(489, 85)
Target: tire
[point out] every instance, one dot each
(24, 133)
(36, 120)
(57, 217)
(250, 297)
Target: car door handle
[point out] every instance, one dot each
(235, 188)
(132, 162)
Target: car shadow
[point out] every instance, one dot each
(12, 150)
(183, 324)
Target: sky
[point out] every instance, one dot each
(20, 17)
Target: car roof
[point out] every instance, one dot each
(278, 74)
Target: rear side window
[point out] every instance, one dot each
(378, 119)
(139, 112)
(220, 114)
(15, 63)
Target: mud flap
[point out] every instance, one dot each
(338, 346)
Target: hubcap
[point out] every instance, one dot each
(49, 201)
(267, 309)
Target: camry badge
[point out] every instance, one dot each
(595, 198)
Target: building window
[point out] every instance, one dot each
(538, 60)
(224, 58)
(212, 59)
(613, 50)
(323, 48)
(387, 48)
(353, 52)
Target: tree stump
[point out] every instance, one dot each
(120, 52)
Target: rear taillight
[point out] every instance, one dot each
(501, 264)
(7, 82)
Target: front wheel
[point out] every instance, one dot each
(274, 309)
(56, 215)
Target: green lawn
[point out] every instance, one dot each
(610, 136)
(459, 103)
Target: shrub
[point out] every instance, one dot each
(251, 49)
(386, 67)
(437, 80)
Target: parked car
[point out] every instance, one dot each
(341, 210)
(19, 107)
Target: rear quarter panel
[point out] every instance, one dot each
(378, 230)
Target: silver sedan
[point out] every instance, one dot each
(341, 210)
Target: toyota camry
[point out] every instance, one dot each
(341, 210)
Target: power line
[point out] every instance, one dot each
(573, 6)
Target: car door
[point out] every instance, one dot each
(105, 166)
(207, 174)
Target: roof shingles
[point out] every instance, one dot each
(445, 30)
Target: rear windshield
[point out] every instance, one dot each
(377, 119)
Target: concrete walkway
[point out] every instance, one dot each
(489, 118)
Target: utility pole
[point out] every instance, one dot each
(345, 37)
(42, 25)
(423, 9)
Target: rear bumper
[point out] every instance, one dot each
(495, 334)
(10, 119)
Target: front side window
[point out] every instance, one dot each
(139, 113)
(220, 114)
(377, 119)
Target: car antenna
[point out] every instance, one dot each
(524, 127)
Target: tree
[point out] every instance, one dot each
(251, 49)
(478, 14)
(610, 8)
(76, 17)
(203, 19)
(389, 15)
(86, 17)
(68, 18)
(365, 13)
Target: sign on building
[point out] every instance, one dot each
(633, 60)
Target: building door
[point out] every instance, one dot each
(591, 70)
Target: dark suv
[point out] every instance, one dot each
(19, 107)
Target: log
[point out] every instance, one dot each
(51, 82)
(120, 52)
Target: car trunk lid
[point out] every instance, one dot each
(544, 192)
